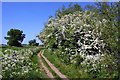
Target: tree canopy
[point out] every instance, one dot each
(87, 39)
(63, 30)
(71, 9)
(15, 37)
(33, 43)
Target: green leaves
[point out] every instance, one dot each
(85, 37)
(67, 32)
(33, 42)
(70, 10)
(15, 37)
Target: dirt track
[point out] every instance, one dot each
(62, 76)
(49, 74)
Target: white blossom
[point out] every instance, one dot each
(0, 77)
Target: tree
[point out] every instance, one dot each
(15, 37)
(33, 43)
(108, 12)
(91, 8)
(81, 35)
(71, 9)
(77, 7)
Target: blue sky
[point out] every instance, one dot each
(29, 17)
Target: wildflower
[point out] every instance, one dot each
(104, 20)
(6, 68)
(0, 77)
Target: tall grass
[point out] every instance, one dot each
(69, 70)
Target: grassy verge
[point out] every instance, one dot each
(69, 70)
(40, 74)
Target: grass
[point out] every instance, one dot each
(69, 70)
(15, 48)
(54, 74)
(40, 74)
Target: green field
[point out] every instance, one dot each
(16, 48)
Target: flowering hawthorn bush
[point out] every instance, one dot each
(100, 66)
(78, 36)
(77, 33)
(18, 64)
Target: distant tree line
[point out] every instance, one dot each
(15, 37)
(33, 43)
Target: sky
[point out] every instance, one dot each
(29, 17)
